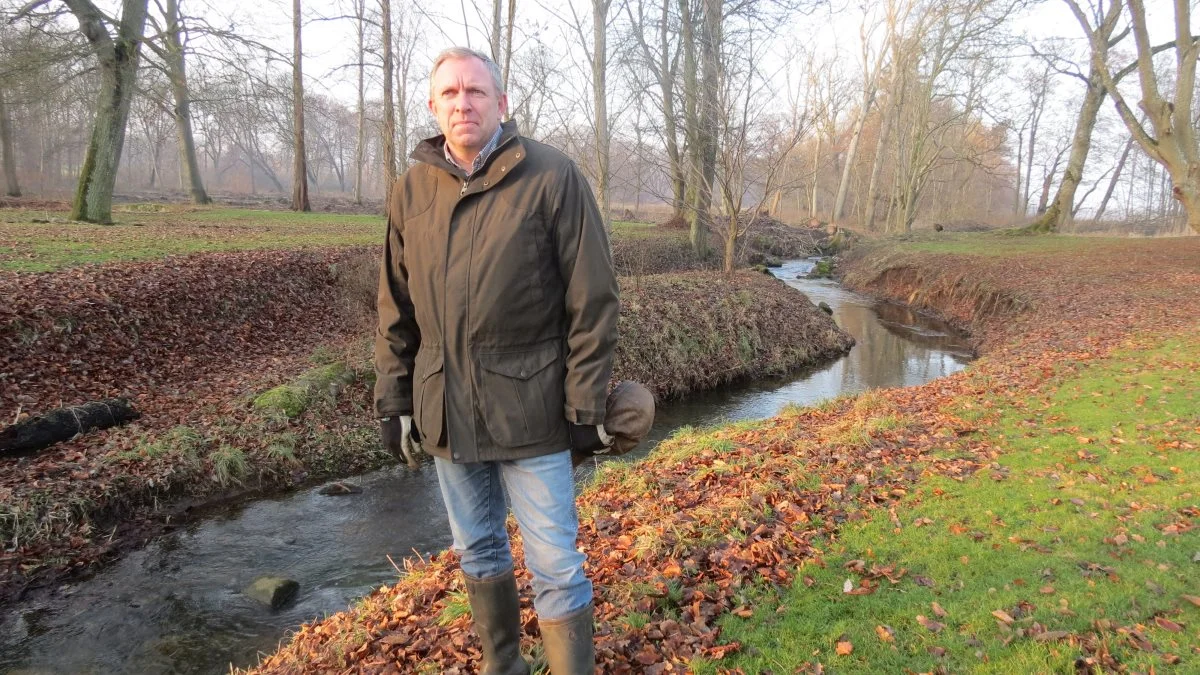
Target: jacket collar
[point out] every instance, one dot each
(508, 153)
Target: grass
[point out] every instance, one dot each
(1003, 243)
(1073, 535)
(229, 464)
(28, 246)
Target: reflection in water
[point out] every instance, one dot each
(176, 606)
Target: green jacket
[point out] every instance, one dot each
(497, 303)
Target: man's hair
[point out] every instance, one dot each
(467, 53)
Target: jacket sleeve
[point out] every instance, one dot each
(397, 336)
(592, 305)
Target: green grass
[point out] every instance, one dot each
(1069, 530)
(628, 230)
(1001, 243)
(229, 464)
(27, 246)
(153, 231)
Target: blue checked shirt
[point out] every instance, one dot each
(480, 158)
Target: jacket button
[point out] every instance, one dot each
(502, 168)
(485, 183)
(518, 155)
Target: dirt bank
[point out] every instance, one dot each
(1008, 291)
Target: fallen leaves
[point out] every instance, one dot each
(929, 624)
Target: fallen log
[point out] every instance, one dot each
(37, 433)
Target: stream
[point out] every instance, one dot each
(176, 606)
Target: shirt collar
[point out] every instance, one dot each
(483, 155)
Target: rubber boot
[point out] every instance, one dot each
(496, 610)
(569, 645)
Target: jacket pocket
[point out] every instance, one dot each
(521, 395)
(429, 396)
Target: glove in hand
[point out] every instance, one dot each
(589, 440)
(401, 438)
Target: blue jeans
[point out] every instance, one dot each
(542, 492)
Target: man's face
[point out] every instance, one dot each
(467, 106)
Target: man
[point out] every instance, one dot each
(497, 322)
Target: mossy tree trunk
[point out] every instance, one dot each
(9, 149)
(117, 65)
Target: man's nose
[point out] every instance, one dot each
(462, 101)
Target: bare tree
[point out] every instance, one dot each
(1105, 37)
(753, 141)
(169, 48)
(299, 165)
(662, 62)
(1171, 138)
(872, 70)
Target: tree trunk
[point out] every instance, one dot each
(600, 100)
(508, 41)
(839, 204)
(360, 8)
(189, 164)
(1112, 184)
(402, 119)
(816, 165)
(389, 104)
(9, 150)
(1018, 205)
(1058, 213)
(117, 65)
(63, 424)
(1029, 163)
(693, 133)
(876, 166)
(731, 242)
(709, 103)
(497, 27)
(299, 164)
(670, 130)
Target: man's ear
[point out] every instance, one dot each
(503, 106)
(431, 110)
